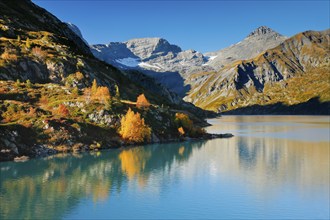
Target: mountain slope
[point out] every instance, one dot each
(35, 45)
(257, 41)
(148, 53)
(293, 72)
(24, 16)
(55, 96)
(156, 57)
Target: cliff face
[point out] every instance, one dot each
(293, 72)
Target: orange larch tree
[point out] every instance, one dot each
(142, 102)
(94, 86)
(102, 94)
(133, 128)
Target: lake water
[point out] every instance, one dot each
(275, 167)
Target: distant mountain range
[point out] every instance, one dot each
(262, 69)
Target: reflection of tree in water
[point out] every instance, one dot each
(53, 186)
(133, 162)
(140, 162)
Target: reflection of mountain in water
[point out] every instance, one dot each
(270, 163)
(58, 184)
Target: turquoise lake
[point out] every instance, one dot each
(275, 167)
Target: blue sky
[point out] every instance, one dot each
(200, 25)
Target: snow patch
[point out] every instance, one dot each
(147, 65)
(129, 61)
(212, 57)
(209, 58)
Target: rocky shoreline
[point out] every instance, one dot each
(41, 150)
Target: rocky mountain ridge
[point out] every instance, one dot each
(171, 66)
(291, 73)
(259, 40)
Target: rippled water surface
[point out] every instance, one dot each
(274, 167)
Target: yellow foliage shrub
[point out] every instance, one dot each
(9, 57)
(183, 120)
(62, 110)
(102, 94)
(39, 53)
(32, 112)
(133, 128)
(79, 75)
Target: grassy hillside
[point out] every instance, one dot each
(38, 119)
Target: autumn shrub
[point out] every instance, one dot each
(87, 94)
(9, 56)
(28, 43)
(102, 94)
(79, 75)
(183, 120)
(197, 132)
(3, 90)
(32, 112)
(43, 100)
(142, 102)
(133, 128)
(28, 84)
(73, 79)
(39, 53)
(62, 110)
(13, 112)
(18, 83)
(75, 91)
